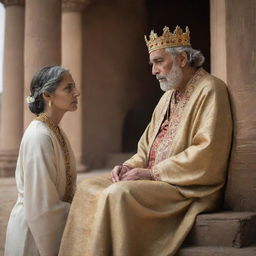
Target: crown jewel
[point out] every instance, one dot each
(168, 39)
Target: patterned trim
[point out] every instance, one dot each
(156, 144)
(55, 128)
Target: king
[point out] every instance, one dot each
(149, 203)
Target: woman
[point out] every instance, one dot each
(45, 172)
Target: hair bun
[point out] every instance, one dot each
(37, 106)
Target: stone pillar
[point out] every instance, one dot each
(234, 60)
(42, 40)
(13, 80)
(241, 78)
(72, 59)
(218, 39)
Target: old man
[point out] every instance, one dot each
(149, 203)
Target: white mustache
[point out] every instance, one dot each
(158, 77)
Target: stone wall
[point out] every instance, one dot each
(116, 75)
(241, 78)
(0, 106)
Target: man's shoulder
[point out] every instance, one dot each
(211, 83)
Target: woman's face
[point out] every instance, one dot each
(65, 97)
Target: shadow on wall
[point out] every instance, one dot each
(135, 122)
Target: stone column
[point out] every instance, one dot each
(233, 59)
(72, 59)
(241, 78)
(218, 39)
(13, 81)
(42, 40)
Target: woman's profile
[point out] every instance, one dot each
(45, 171)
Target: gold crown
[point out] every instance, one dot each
(167, 39)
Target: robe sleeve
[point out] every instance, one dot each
(45, 213)
(204, 161)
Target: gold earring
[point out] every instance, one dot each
(50, 103)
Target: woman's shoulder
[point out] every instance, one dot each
(36, 140)
(37, 131)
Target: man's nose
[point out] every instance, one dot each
(155, 70)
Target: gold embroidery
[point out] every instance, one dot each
(55, 128)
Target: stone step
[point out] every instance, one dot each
(232, 229)
(116, 158)
(216, 251)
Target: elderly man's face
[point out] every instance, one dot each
(166, 69)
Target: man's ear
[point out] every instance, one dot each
(182, 59)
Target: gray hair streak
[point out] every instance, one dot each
(195, 57)
(48, 79)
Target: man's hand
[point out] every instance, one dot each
(137, 174)
(118, 171)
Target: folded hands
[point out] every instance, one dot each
(126, 173)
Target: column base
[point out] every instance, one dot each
(8, 160)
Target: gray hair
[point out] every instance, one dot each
(195, 57)
(45, 80)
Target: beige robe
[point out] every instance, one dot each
(38, 218)
(138, 218)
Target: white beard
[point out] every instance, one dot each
(172, 79)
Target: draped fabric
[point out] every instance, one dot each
(38, 218)
(137, 218)
(162, 143)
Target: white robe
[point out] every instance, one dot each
(38, 218)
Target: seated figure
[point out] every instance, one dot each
(148, 204)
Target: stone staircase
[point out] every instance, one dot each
(222, 234)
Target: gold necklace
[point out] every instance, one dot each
(55, 128)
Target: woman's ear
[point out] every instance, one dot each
(182, 59)
(47, 96)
